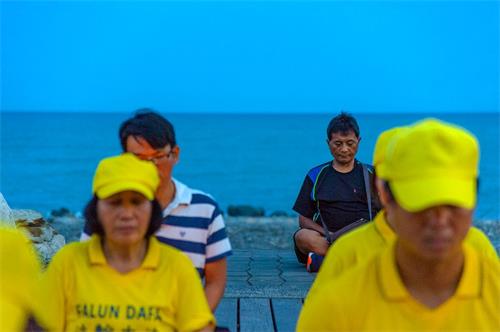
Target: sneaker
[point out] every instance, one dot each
(314, 262)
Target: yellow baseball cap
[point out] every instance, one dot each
(125, 172)
(433, 163)
(380, 150)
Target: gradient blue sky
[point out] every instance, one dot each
(255, 56)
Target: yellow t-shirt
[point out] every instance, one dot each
(361, 243)
(84, 293)
(372, 296)
(19, 277)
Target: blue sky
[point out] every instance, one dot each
(255, 56)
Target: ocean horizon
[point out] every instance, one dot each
(259, 159)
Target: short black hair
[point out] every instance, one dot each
(93, 225)
(342, 123)
(151, 126)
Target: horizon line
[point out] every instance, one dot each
(273, 112)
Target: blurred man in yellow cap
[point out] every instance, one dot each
(363, 242)
(19, 280)
(428, 278)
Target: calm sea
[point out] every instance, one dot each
(47, 159)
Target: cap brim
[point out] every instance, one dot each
(114, 188)
(417, 195)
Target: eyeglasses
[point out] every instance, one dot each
(157, 157)
(350, 143)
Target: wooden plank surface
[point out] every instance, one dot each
(269, 285)
(255, 315)
(226, 313)
(286, 313)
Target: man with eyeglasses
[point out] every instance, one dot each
(335, 196)
(192, 221)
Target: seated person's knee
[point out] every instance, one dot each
(309, 240)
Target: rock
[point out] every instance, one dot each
(57, 242)
(70, 226)
(62, 212)
(279, 213)
(5, 212)
(45, 252)
(244, 211)
(26, 215)
(261, 233)
(44, 237)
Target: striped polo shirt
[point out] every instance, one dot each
(193, 223)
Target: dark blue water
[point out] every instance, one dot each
(48, 159)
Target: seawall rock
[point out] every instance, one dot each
(245, 211)
(69, 225)
(45, 238)
(5, 212)
(261, 233)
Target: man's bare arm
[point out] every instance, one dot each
(215, 282)
(305, 222)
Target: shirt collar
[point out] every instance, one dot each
(183, 196)
(96, 255)
(382, 226)
(151, 261)
(470, 282)
(394, 289)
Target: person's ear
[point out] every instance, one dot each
(176, 151)
(382, 192)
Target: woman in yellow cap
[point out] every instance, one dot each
(123, 279)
